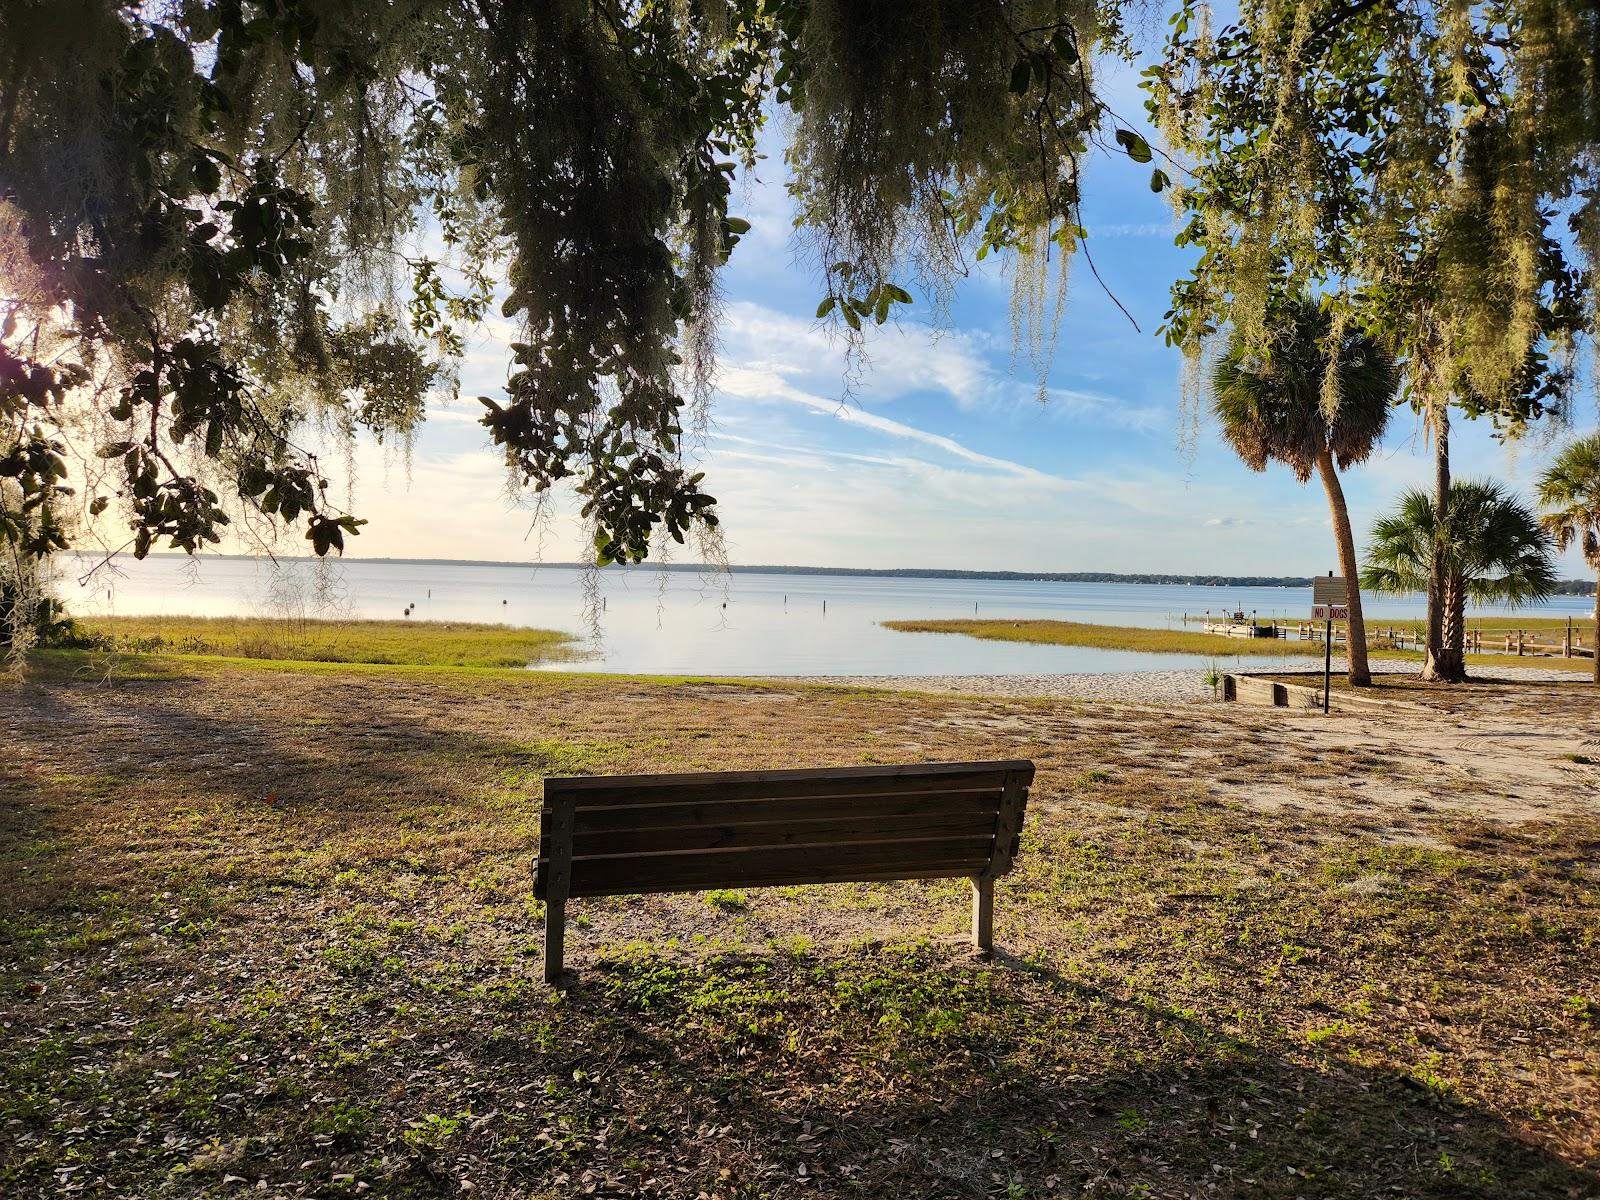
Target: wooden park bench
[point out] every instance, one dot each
(644, 834)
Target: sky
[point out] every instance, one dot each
(941, 455)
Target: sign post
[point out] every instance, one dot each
(1330, 602)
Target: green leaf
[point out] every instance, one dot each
(1138, 149)
(826, 307)
(1021, 74)
(737, 224)
(1159, 180)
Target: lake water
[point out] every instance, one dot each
(746, 623)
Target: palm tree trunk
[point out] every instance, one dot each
(1596, 642)
(1356, 626)
(1441, 664)
(1449, 662)
(1455, 627)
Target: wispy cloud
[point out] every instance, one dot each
(769, 387)
(966, 368)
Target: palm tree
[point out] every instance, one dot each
(1491, 548)
(1570, 493)
(1273, 410)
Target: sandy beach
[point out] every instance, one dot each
(1133, 687)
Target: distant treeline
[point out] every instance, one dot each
(1042, 576)
(1568, 587)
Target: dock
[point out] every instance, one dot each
(1522, 643)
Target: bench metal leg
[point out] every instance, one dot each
(983, 913)
(555, 939)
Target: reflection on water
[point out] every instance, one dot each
(748, 623)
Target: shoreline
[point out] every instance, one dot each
(1581, 587)
(1128, 687)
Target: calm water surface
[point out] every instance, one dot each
(747, 623)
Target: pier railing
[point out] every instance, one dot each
(1543, 643)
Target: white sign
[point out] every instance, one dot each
(1329, 589)
(1330, 612)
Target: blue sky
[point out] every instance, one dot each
(942, 456)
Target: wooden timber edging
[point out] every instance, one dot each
(647, 834)
(1273, 693)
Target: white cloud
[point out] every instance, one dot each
(906, 359)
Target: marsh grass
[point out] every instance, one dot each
(1184, 641)
(273, 922)
(394, 643)
(1114, 637)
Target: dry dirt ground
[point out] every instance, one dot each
(268, 929)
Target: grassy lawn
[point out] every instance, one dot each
(1189, 641)
(272, 922)
(401, 643)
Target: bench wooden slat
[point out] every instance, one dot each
(801, 879)
(748, 812)
(772, 779)
(618, 790)
(588, 843)
(701, 870)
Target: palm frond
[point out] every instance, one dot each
(1495, 550)
(1569, 491)
(1270, 405)
(1400, 555)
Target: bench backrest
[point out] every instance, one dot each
(632, 834)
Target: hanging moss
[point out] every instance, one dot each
(1429, 166)
(244, 221)
(931, 134)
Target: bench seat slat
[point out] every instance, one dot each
(619, 793)
(826, 831)
(802, 879)
(699, 870)
(749, 812)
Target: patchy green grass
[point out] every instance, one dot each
(263, 922)
(1113, 637)
(394, 643)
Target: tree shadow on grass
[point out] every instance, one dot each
(904, 1073)
(144, 775)
(900, 1072)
